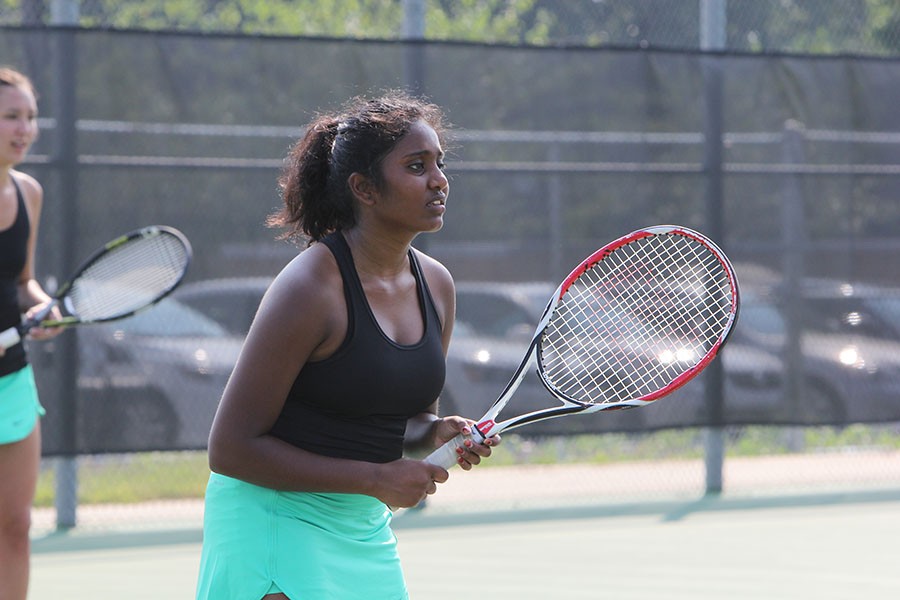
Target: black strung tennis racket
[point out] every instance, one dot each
(129, 274)
(634, 321)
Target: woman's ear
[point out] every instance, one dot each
(362, 188)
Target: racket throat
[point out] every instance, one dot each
(484, 429)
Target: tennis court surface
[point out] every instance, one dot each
(836, 546)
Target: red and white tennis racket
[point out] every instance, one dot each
(634, 321)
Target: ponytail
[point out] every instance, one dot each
(309, 211)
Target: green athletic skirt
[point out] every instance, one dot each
(259, 541)
(19, 406)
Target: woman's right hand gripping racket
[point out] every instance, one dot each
(634, 321)
(128, 274)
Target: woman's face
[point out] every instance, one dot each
(415, 188)
(18, 124)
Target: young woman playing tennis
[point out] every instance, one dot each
(21, 197)
(341, 370)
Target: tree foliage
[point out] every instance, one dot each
(807, 26)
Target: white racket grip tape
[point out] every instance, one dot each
(446, 455)
(10, 337)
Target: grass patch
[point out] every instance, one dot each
(125, 478)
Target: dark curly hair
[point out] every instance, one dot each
(314, 182)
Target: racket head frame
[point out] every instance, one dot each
(60, 295)
(488, 425)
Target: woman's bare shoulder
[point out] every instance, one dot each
(31, 188)
(436, 273)
(311, 277)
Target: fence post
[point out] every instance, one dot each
(555, 211)
(414, 31)
(794, 238)
(712, 37)
(66, 13)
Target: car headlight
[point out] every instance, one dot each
(887, 372)
(483, 356)
(851, 357)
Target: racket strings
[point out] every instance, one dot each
(128, 277)
(637, 320)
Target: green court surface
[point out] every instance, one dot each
(826, 547)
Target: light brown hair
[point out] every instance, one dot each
(13, 78)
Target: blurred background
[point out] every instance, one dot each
(771, 126)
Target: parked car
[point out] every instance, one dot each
(504, 310)
(478, 365)
(153, 381)
(835, 306)
(494, 325)
(491, 334)
(231, 302)
(499, 321)
(847, 348)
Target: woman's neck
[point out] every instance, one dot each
(6, 181)
(379, 256)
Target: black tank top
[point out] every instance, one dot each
(13, 253)
(355, 403)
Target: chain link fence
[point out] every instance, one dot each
(600, 144)
(825, 27)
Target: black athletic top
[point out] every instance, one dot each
(13, 253)
(355, 403)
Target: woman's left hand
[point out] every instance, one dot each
(448, 428)
(44, 333)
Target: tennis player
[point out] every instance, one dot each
(21, 197)
(341, 370)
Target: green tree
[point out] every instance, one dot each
(808, 26)
(344, 18)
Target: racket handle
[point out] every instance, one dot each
(14, 335)
(10, 337)
(446, 455)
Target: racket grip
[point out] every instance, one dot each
(10, 337)
(446, 455)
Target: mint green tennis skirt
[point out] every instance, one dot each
(259, 541)
(19, 405)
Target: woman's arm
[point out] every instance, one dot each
(30, 291)
(31, 295)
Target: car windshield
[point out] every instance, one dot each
(537, 298)
(873, 317)
(889, 309)
(490, 314)
(760, 321)
(170, 318)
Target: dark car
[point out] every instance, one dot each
(153, 381)
(494, 326)
(842, 339)
(492, 332)
(499, 320)
(230, 302)
(844, 307)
